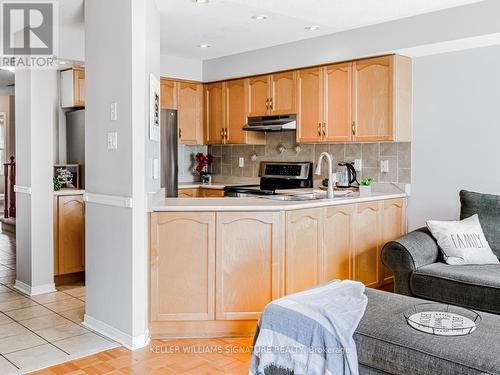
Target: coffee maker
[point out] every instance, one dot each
(346, 175)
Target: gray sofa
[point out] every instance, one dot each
(419, 269)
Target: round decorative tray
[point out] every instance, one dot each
(442, 320)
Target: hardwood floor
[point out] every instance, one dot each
(225, 356)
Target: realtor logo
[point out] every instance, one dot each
(29, 32)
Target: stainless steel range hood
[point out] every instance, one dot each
(271, 123)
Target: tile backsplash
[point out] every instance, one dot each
(185, 156)
(398, 154)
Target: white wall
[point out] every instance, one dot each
(449, 24)
(180, 67)
(122, 48)
(456, 131)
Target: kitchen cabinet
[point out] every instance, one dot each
(212, 273)
(190, 116)
(182, 266)
(310, 108)
(73, 88)
(337, 91)
(237, 114)
(215, 119)
(248, 249)
(338, 242)
(200, 193)
(69, 234)
(382, 99)
(273, 94)
(367, 244)
(187, 193)
(393, 227)
(362, 101)
(168, 93)
(303, 249)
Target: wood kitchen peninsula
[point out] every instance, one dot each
(215, 263)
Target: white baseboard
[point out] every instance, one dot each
(34, 290)
(128, 341)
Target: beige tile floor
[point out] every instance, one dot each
(41, 331)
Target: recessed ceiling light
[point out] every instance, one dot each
(204, 46)
(312, 28)
(259, 17)
(200, 1)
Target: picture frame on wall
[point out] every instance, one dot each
(68, 175)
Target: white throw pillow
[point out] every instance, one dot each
(462, 242)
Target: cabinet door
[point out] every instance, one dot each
(393, 227)
(190, 98)
(79, 87)
(373, 93)
(182, 266)
(338, 244)
(236, 111)
(258, 96)
(188, 193)
(168, 94)
(247, 269)
(310, 107)
(70, 225)
(283, 93)
(211, 193)
(214, 113)
(367, 244)
(338, 96)
(304, 244)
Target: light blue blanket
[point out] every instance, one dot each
(310, 333)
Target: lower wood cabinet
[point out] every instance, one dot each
(248, 248)
(182, 266)
(303, 249)
(212, 273)
(200, 193)
(69, 234)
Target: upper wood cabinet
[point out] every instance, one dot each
(214, 113)
(273, 94)
(382, 99)
(337, 91)
(73, 88)
(310, 108)
(190, 115)
(182, 266)
(248, 251)
(168, 94)
(69, 234)
(361, 101)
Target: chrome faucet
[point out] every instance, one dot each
(329, 191)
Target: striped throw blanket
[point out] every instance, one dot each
(310, 333)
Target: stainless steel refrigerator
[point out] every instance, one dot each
(75, 141)
(169, 145)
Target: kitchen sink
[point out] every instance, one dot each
(297, 197)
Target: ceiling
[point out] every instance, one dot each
(227, 25)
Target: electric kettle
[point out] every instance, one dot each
(346, 175)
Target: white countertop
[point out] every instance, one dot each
(69, 192)
(260, 204)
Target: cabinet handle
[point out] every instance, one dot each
(271, 103)
(353, 128)
(319, 129)
(180, 133)
(324, 129)
(267, 103)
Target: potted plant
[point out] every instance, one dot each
(365, 187)
(203, 161)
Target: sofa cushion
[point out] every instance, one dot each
(487, 206)
(472, 286)
(385, 342)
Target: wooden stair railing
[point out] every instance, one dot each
(9, 194)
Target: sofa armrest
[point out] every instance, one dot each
(407, 254)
